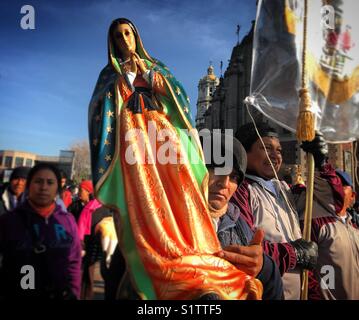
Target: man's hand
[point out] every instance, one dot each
(306, 252)
(318, 148)
(246, 258)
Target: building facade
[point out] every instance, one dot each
(10, 159)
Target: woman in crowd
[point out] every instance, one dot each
(40, 244)
(84, 197)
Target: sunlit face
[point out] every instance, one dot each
(221, 188)
(125, 40)
(258, 162)
(43, 188)
(349, 197)
(84, 195)
(63, 182)
(17, 186)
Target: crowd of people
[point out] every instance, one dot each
(258, 222)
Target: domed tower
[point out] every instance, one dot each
(206, 87)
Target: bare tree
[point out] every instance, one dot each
(82, 163)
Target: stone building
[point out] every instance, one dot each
(227, 109)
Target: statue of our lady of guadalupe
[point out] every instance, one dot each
(137, 116)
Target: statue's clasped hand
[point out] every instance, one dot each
(138, 63)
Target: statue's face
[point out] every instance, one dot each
(125, 40)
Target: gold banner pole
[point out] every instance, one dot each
(308, 218)
(306, 132)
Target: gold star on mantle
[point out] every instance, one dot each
(188, 100)
(178, 91)
(107, 143)
(109, 113)
(109, 95)
(101, 170)
(185, 109)
(108, 157)
(109, 129)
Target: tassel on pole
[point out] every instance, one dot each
(306, 118)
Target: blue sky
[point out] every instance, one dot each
(47, 75)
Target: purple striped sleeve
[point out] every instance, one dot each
(314, 285)
(241, 199)
(283, 255)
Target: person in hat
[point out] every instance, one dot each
(335, 277)
(349, 193)
(39, 235)
(268, 203)
(85, 196)
(241, 246)
(13, 193)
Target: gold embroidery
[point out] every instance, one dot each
(123, 88)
